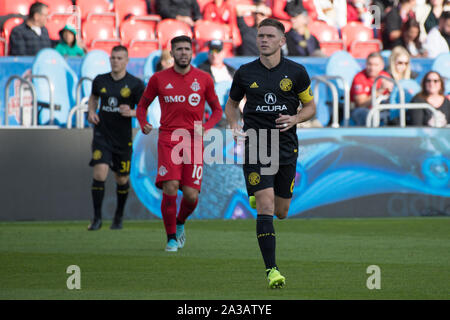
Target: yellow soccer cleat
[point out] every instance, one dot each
(276, 280)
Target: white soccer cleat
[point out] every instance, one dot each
(181, 235)
(172, 246)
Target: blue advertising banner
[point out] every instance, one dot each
(355, 172)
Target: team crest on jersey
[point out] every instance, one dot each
(195, 86)
(254, 178)
(97, 155)
(162, 171)
(286, 84)
(125, 92)
(194, 99)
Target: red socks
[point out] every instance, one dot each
(186, 208)
(169, 213)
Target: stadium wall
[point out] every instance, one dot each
(355, 172)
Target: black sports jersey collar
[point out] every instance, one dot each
(278, 66)
(114, 80)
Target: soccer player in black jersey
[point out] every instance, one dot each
(279, 96)
(118, 92)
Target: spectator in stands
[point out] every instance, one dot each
(400, 64)
(187, 11)
(215, 66)
(438, 39)
(357, 11)
(333, 12)
(165, 61)
(436, 9)
(394, 21)
(31, 36)
(361, 90)
(220, 11)
(433, 93)
(385, 6)
(248, 34)
(67, 45)
(411, 39)
(299, 41)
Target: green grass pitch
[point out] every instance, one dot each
(320, 258)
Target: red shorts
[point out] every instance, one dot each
(180, 161)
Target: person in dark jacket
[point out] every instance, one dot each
(299, 41)
(184, 10)
(28, 38)
(215, 65)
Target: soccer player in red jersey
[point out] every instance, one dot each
(182, 91)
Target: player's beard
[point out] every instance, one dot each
(182, 65)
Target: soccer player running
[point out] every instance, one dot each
(118, 92)
(274, 87)
(182, 91)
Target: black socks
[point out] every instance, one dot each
(266, 239)
(122, 195)
(98, 192)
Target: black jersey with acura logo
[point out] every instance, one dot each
(271, 92)
(114, 130)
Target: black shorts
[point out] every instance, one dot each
(119, 162)
(282, 182)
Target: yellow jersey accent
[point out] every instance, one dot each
(292, 185)
(103, 90)
(97, 155)
(125, 92)
(254, 85)
(254, 178)
(306, 96)
(286, 84)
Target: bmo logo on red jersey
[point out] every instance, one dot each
(174, 99)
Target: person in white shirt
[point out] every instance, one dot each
(438, 39)
(215, 65)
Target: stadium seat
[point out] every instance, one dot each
(139, 37)
(287, 25)
(3, 47)
(130, 7)
(310, 8)
(208, 30)
(203, 3)
(50, 63)
(93, 30)
(199, 58)
(7, 28)
(104, 44)
(93, 6)
(15, 6)
(94, 63)
(361, 49)
(410, 89)
(169, 28)
(58, 6)
(150, 64)
(278, 10)
(327, 36)
(342, 64)
(55, 24)
(441, 64)
(136, 30)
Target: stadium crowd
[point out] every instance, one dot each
(403, 29)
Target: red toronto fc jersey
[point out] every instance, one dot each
(182, 99)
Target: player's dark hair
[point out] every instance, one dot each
(36, 8)
(119, 48)
(180, 39)
(269, 22)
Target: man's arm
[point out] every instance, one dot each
(307, 112)
(92, 109)
(17, 44)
